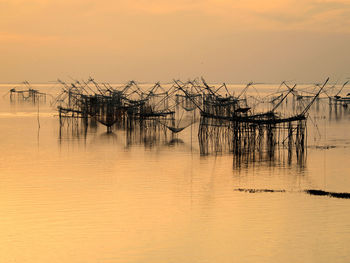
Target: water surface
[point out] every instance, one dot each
(97, 197)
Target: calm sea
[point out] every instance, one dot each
(94, 197)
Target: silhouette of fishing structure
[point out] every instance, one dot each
(337, 99)
(228, 122)
(111, 106)
(26, 93)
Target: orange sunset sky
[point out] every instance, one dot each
(231, 41)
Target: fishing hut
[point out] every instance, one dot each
(26, 94)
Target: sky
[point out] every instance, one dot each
(232, 41)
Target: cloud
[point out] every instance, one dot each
(141, 38)
(311, 15)
(75, 15)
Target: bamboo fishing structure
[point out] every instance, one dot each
(226, 122)
(26, 94)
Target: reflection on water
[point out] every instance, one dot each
(78, 194)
